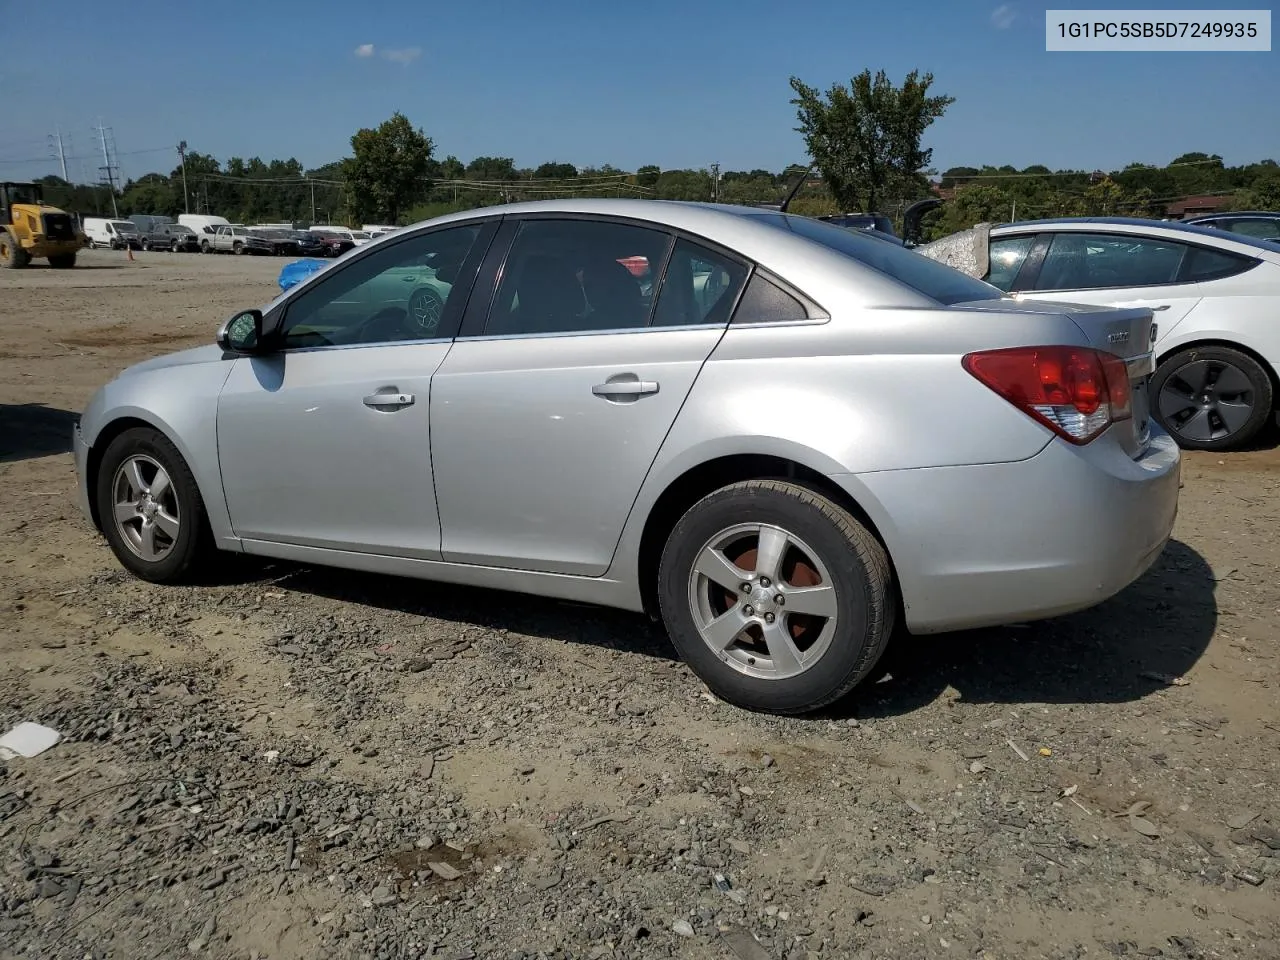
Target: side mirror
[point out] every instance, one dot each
(242, 333)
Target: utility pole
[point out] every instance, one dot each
(715, 183)
(1013, 214)
(107, 168)
(182, 153)
(61, 153)
(313, 201)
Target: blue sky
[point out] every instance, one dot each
(673, 83)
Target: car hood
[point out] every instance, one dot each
(206, 354)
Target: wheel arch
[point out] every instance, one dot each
(130, 420)
(1236, 345)
(710, 475)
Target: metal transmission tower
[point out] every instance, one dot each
(110, 169)
(59, 152)
(715, 183)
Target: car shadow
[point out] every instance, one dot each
(562, 620)
(34, 430)
(1117, 652)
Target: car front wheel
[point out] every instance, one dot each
(150, 508)
(776, 597)
(1212, 398)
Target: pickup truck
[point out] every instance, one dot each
(236, 238)
(172, 237)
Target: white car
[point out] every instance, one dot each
(1216, 298)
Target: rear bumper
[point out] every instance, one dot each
(991, 544)
(80, 454)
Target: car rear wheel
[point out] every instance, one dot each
(150, 508)
(1212, 398)
(776, 597)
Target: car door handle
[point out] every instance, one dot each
(625, 388)
(377, 400)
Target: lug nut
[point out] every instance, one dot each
(768, 618)
(764, 581)
(746, 588)
(779, 599)
(749, 611)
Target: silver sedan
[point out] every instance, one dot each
(783, 438)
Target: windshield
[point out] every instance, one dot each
(935, 280)
(124, 226)
(23, 193)
(360, 235)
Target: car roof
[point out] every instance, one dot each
(1138, 225)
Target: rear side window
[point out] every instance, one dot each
(1204, 264)
(1262, 227)
(1006, 258)
(930, 278)
(700, 286)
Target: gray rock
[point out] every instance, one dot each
(682, 928)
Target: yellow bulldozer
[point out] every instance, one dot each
(30, 228)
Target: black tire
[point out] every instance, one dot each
(12, 256)
(62, 261)
(859, 571)
(192, 548)
(1212, 417)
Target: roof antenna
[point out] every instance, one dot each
(796, 189)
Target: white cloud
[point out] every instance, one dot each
(364, 50)
(406, 55)
(1002, 17)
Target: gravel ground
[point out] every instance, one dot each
(301, 763)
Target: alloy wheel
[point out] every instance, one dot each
(146, 511)
(763, 601)
(1206, 400)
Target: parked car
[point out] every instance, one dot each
(333, 244)
(309, 244)
(862, 221)
(283, 242)
(1262, 224)
(173, 237)
(184, 238)
(115, 234)
(824, 434)
(239, 239)
(159, 239)
(1216, 296)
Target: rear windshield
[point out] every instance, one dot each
(929, 277)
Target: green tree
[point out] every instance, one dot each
(647, 176)
(1263, 195)
(555, 171)
(387, 172)
(865, 138)
(980, 203)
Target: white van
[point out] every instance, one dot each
(116, 234)
(204, 226)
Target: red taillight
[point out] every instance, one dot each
(1074, 391)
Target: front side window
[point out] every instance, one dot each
(400, 292)
(577, 276)
(1006, 258)
(1087, 261)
